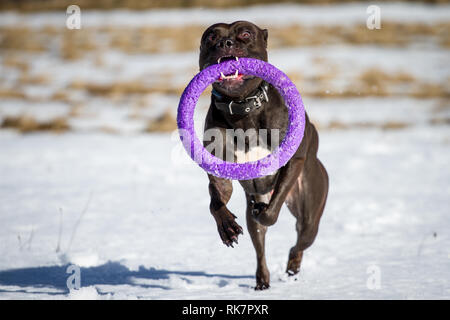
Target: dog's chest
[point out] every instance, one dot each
(260, 186)
(253, 154)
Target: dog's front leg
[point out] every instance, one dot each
(267, 215)
(220, 191)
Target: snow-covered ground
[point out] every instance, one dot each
(131, 210)
(136, 220)
(278, 14)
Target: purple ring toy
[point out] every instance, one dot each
(253, 169)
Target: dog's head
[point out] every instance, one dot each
(222, 42)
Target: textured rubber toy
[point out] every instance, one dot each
(253, 169)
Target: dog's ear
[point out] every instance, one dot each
(265, 35)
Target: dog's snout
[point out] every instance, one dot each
(225, 43)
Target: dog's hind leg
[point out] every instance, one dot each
(257, 232)
(306, 201)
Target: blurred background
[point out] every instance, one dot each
(126, 67)
(88, 172)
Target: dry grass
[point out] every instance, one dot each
(121, 89)
(61, 96)
(76, 110)
(440, 121)
(26, 124)
(73, 44)
(164, 123)
(108, 130)
(12, 61)
(394, 125)
(390, 34)
(154, 39)
(94, 41)
(38, 5)
(441, 105)
(431, 90)
(377, 77)
(426, 91)
(37, 80)
(338, 125)
(371, 82)
(12, 93)
(24, 39)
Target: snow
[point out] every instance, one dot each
(420, 61)
(147, 232)
(268, 15)
(131, 210)
(86, 293)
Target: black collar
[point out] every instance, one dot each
(245, 106)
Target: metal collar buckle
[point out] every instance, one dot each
(257, 103)
(258, 100)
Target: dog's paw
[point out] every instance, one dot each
(262, 286)
(295, 259)
(229, 230)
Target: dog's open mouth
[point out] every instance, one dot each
(227, 58)
(233, 78)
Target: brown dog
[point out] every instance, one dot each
(246, 102)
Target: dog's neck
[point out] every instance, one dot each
(250, 103)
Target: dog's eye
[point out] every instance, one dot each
(211, 37)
